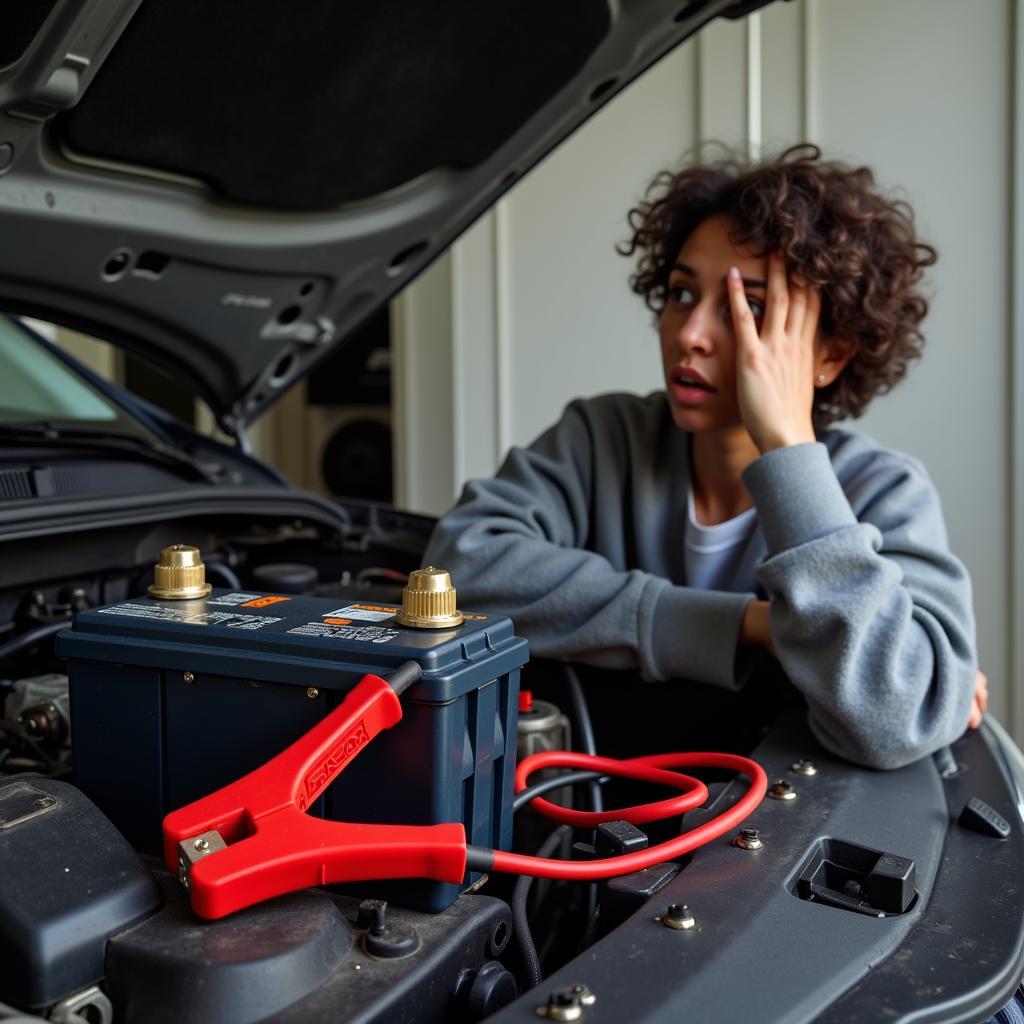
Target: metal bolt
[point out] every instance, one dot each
(188, 677)
(202, 845)
(585, 996)
(748, 839)
(803, 767)
(312, 693)
(563, 1005)
(678, 916)
(782, 790)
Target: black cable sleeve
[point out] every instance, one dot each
(478, 858)
(581, 713)
(31, 638)
(401, 678)
(524, 796)
(520, 921)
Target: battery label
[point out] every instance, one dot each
(232, 599)
(265, 602)
(363, 612)
(232, 620)
(367, 634)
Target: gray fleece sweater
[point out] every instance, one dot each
(580, 540)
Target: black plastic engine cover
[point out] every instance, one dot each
(69, 881)
(242, 968)
(305, 958)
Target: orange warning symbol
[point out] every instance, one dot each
(263, 602)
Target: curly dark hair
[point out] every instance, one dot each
(833, 229)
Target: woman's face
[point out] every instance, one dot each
(698, 344)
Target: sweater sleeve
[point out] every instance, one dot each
(870, 613)
(517, 545)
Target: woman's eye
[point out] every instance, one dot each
(681, 295)
(757, 307)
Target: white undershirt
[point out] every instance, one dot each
(711, 552)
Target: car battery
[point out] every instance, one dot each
(172, 699)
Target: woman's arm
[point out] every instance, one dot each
(870, 613)
(521, 544)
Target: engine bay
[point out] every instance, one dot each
(86, 781)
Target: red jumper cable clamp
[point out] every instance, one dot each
(253, 840)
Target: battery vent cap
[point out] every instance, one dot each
(180, 575)
(428, 601)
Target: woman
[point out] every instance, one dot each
(681, 532)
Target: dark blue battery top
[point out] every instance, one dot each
(308, 641)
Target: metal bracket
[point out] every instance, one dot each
(68, 1011)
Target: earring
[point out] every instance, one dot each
(821, 378)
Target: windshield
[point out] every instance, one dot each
(36, 385)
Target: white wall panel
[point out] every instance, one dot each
(782, 76)
(722, 82)
(423, 389)
(574, 327)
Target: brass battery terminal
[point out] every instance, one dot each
(428, 601)
(180, 575)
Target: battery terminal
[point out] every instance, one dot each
(180, 575)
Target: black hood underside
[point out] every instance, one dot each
(326, 103)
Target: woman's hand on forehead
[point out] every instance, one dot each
(775, 367)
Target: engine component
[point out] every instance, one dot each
(199, 693)
(179, 575)
(301, 958)
(41, 706)
(244, 969)
(383, 937)
(486, 990)
(69, 882)
(542, 726)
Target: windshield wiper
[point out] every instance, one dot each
(90, 437)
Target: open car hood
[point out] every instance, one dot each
(229, 189)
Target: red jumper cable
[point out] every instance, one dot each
(253, 839)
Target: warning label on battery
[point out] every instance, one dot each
(232, 599)
(232, 620)
(265, 602)
(363, 612)
(366, 634)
